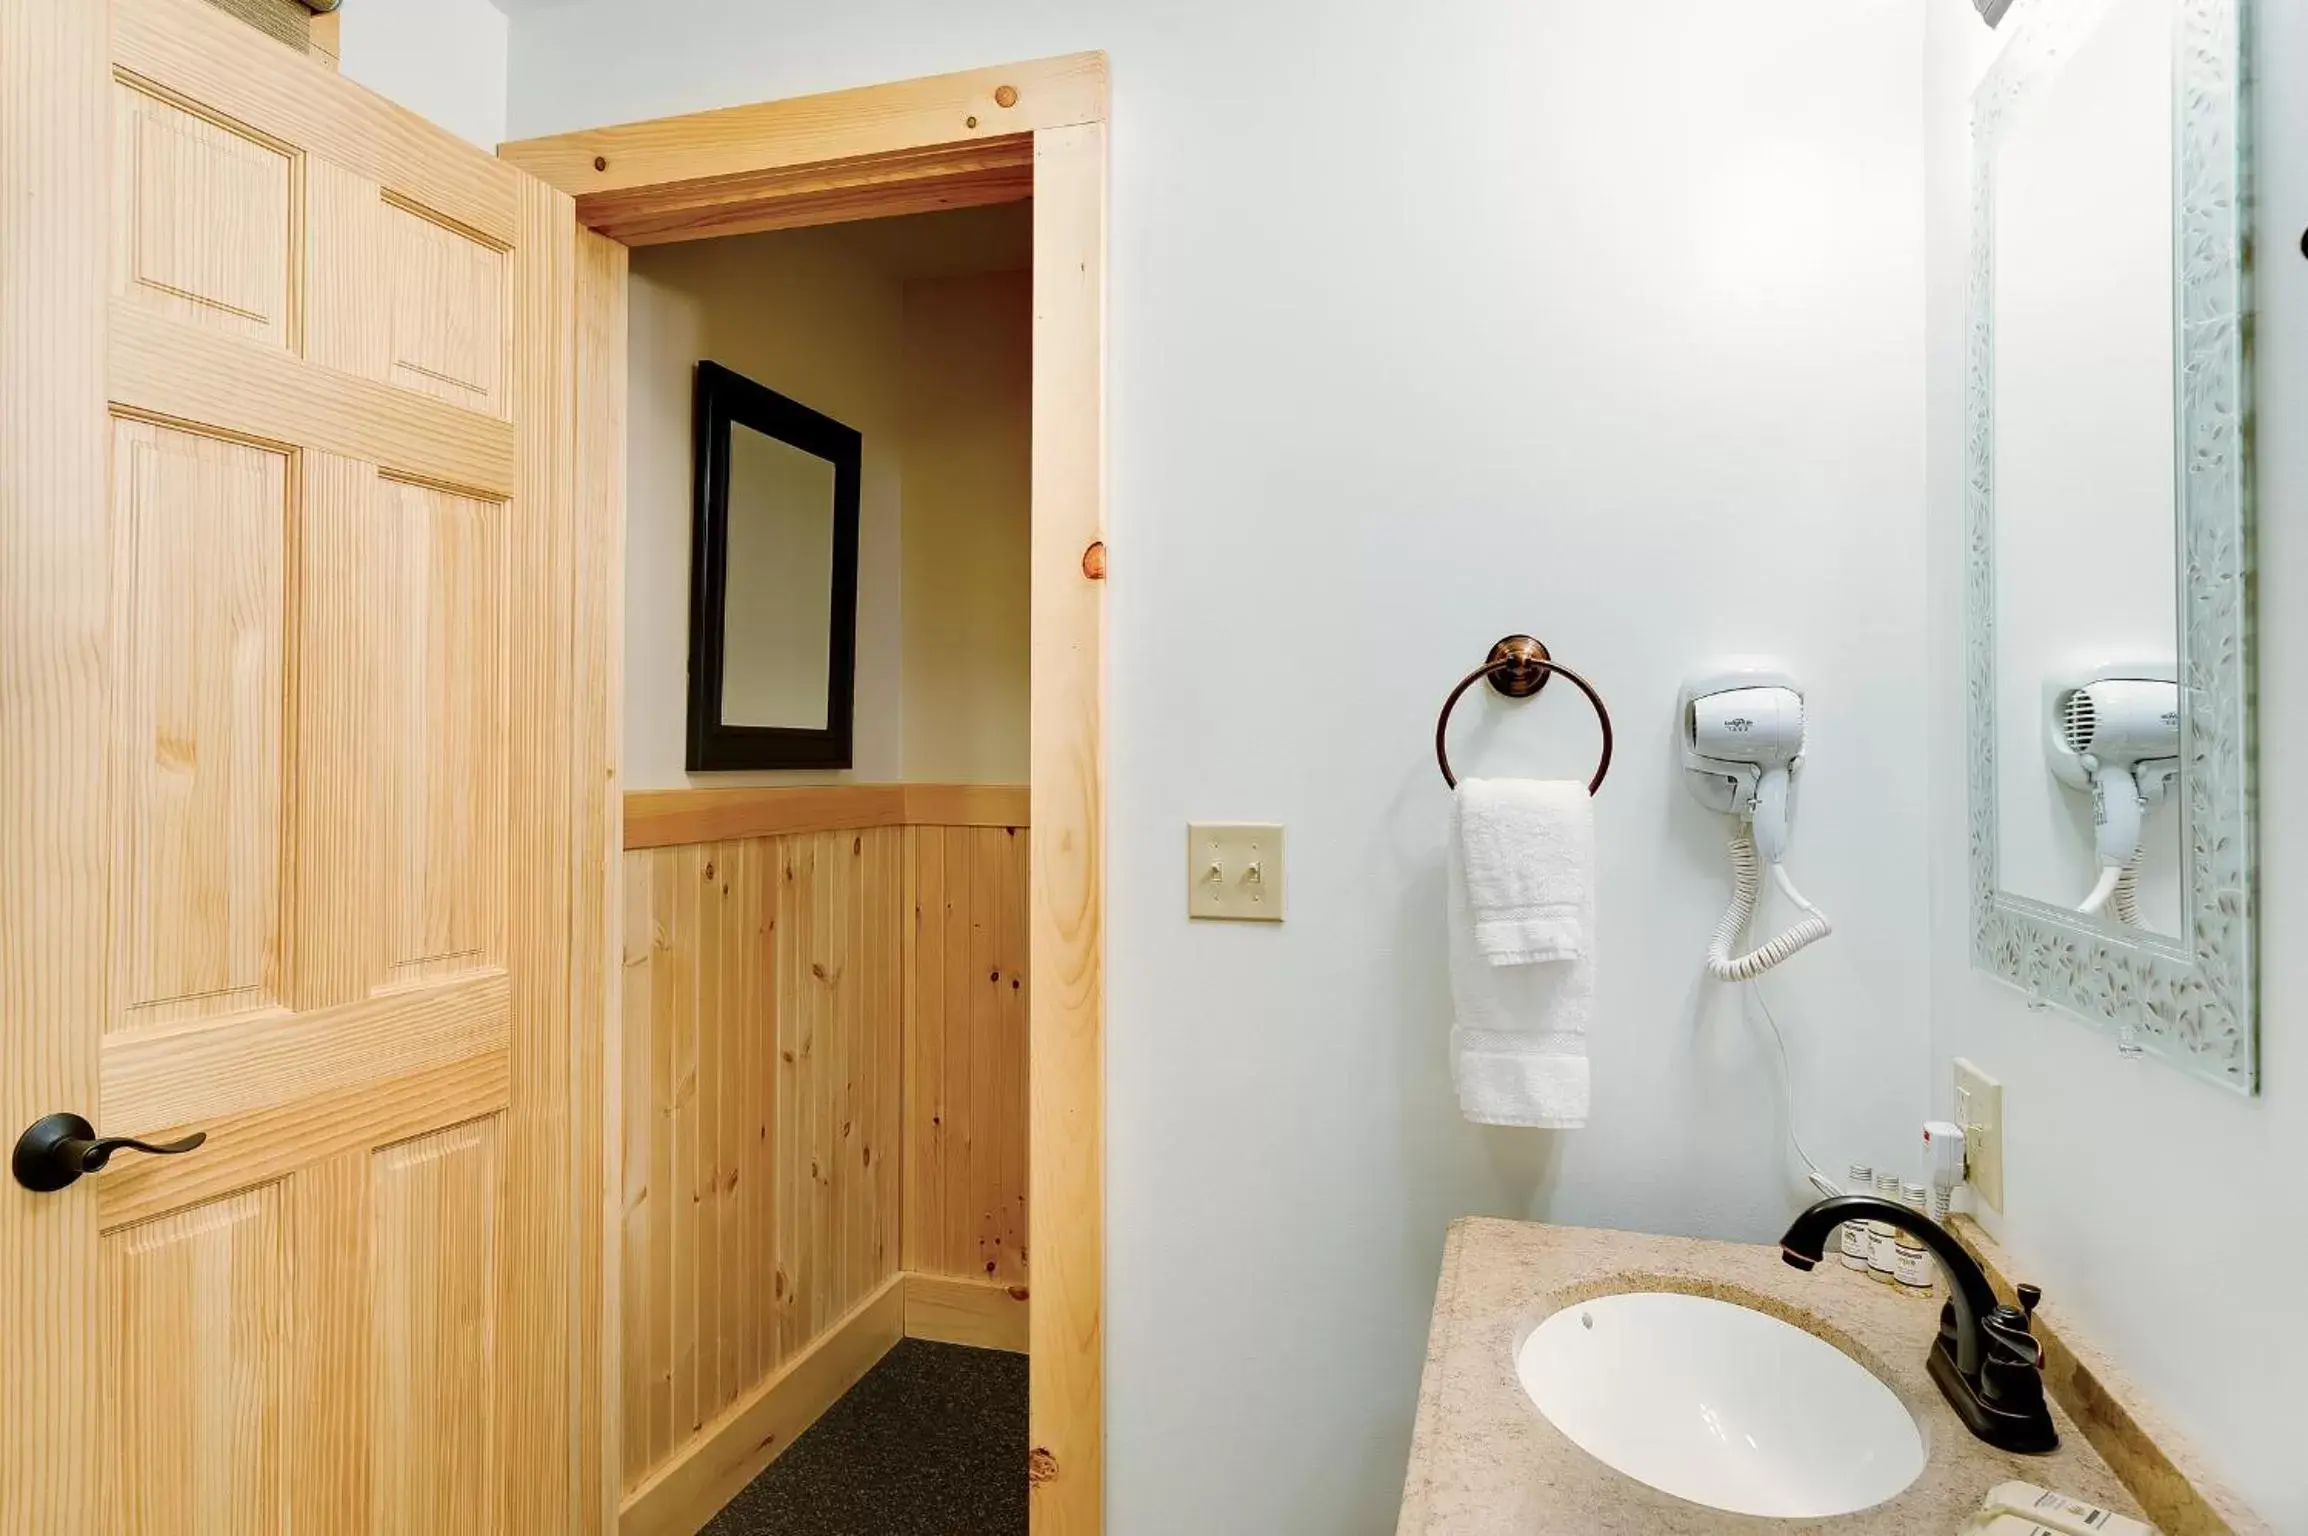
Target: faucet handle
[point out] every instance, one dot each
(2011, 1372)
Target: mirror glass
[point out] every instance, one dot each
(777, 612)
(2108, 586)
(2086, 543)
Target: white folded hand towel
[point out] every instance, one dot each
(1529, 852)
(1519, 1032)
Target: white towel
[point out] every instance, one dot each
(1529, 851)
(1519, 1032)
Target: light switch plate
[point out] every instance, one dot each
(1234, 871)
(1979, 1110)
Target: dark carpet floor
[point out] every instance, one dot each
(931, 1443)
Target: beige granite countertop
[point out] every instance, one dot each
(1483, 1459)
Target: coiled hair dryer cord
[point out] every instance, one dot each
(1747, 869)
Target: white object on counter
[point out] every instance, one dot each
(1911, 1264)
(1882, 1236)
(1861, 1180)
(2057, 1512)
(1987, 1524)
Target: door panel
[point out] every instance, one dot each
(438, 570)
(199, 529)
(327, 628)
(449, 323)
(201, 220)
(432, 1333)
(196, 1367)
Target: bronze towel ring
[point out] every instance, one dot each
(1518, 667)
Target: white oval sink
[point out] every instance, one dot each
(1720, 1405)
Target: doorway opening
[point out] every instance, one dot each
(825, 1022)
(900, 904)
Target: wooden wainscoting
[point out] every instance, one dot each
(965, 1053)
(824, 1085)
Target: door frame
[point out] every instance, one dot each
(1034, 129)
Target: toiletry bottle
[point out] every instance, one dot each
(2059, 1512)
(1910, 1261)
(1860, 1181)
(1989, 1523)
(1882, 1236)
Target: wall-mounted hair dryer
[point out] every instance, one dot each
(2116, 734)
(1742, 738)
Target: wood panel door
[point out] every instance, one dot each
(287, 768)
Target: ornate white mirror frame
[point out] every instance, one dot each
(2192, 1001)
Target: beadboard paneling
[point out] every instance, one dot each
(965, 1052)
(824, 1082)
(762, 1003)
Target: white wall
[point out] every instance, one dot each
(1429, 324)
(2163, 1213)
(442, 59)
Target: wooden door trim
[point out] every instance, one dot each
(899, 148)
(55, 469)
(899, 135)
(596, 938)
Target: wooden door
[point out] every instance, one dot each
(287, 776)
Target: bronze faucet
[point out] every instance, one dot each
(1986, 1360)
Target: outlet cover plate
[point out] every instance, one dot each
(1978, 1109)
(1234, 871)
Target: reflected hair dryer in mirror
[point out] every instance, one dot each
(2116, 735)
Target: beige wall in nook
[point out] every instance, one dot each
(916, 332)
(966, 458)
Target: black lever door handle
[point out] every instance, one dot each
(58, 1149)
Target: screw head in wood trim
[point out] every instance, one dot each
(1094, 560)
(600, 162)
(1006, 96)
(969, 122)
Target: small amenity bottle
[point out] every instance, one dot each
(1882, 1236)
(1859, 1180)
(1910, 1260)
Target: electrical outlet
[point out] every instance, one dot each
(1234, 871)
(1979, 1110)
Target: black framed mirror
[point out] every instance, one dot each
(773, 580)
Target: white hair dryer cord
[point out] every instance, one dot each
(1747, 869)
(2119, 889)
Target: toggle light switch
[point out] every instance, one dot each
(1234, 871)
